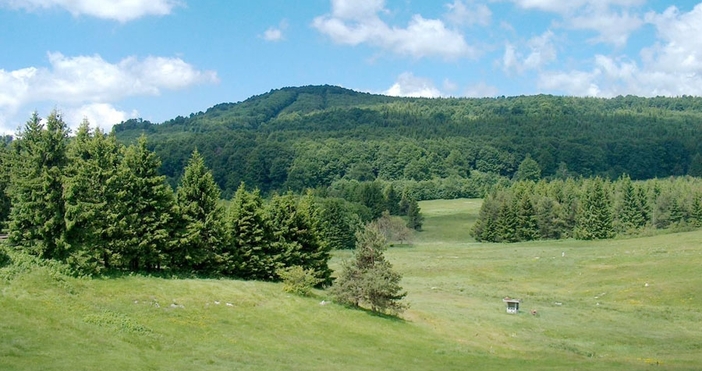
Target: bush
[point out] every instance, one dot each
(297, 280)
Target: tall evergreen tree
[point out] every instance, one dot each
(595, 214)
(392, 200)
(200, 217)
(250, 253)
(144, 206)
(485, 228)
(337, 224)
(629, 213)
(528, 226)
(292, 222)
(415, 219)
(36, 188)
(507, 221)
(91, 183)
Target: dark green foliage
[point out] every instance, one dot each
(201, 230)
(392, 200)
(5, 170)
(250, 253)
(91, 182)
(370, 194)
(485, 228)
(36, 188)
(595, 213)
(313, 136)
(415, 219)
(632, 208)
(294, 231)
(337, 224)
(143, 226)
(369, 280)
(528, 169)
(527, 222)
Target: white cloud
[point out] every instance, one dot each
(101, 115)
(541, 52)
(481, 90)
(354, 22)
(276, 33)
(611, 19)
(670, 67)
(468, 13)
(85, 80)
(119, 10)
(408, 85)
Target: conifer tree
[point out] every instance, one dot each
(91, 183)
(200, 217)
(485, 228)
(250, 253)
(144, 206)
(507, 222)
(595, 214)
(36, 188)
(392, 200)
(369, 279)
(696, 210)
(528, 227)
(336, 224)
(415, 219)
(293, 229)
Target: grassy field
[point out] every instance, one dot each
(628, 304)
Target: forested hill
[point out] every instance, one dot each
(299, 137)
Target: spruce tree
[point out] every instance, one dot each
(337, 225)
(250, 253)
(201, 230)
(507, 221)
(415, 219)
(143, 211)
(292, 222)
(392, 200)
(485, 228)
(36, 188)
(528, 227)
(91, 183)
(595, 214)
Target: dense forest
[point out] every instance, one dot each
(317, 136)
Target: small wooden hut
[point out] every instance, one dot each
(512, 304)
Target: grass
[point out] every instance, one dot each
(619, 304)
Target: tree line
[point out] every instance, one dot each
(314, 136)
(593, 208)
(99, 205)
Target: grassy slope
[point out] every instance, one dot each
(457, 319)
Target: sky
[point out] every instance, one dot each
(111, 60)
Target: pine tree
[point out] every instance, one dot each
(91, 182)
(528, 227)
(250, 253)
(293, 230)
(337, 224)
(415, 219)
(369, 279)
(201, 225)
(485, 228)
(392, 200)
(629, 214)
(696, 210)
(143, 211)
(36, 188)
(507, 221)
(595, 214)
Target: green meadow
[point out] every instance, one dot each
(631, 304)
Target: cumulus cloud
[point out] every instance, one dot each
(468, 13)
(611, 19)
(275, 33)
(119, 10)
(541, 52)
(409, 85)
(354, 22)
(103, 115)
(86, 80)
(671, 67)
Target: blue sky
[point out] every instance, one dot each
(110, 60)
